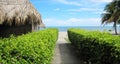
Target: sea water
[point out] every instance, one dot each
(99, 28)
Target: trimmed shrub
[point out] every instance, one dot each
(32, 48)
(95, 46)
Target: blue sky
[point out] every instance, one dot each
(71, 12)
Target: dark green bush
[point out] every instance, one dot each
(95, 46)
(32, 48)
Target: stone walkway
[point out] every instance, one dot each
(64, 54)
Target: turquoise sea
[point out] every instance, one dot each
(100, 28)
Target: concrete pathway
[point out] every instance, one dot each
(64, 54)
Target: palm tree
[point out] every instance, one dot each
(112, 14)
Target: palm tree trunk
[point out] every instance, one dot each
(115, 27)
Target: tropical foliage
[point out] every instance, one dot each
(95, 46)
(32, 48)
(112, 14)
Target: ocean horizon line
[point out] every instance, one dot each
(94, 28)
(79, 26)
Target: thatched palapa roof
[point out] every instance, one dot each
(42, 25)
(18, 12)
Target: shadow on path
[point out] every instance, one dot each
(67, 54)
(64, 53)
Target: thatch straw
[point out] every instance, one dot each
(42, 25)
(18, 12)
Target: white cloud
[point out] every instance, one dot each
(69, 2)
(73, 22)
(84, 9)
(72, 13)
(99, 12)
(101, 1)
(55, 22)
(57, 9)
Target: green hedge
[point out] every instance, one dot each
(32, 48)
(95, 46)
